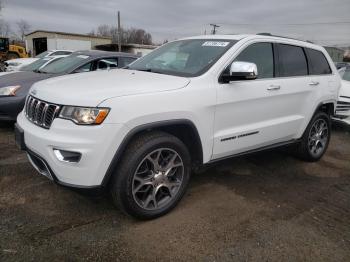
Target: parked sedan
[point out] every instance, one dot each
(14, 87)
(17, 64)
(343, 104)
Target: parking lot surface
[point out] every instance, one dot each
(264, 207)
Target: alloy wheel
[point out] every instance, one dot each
(318, 137)
(157, 179)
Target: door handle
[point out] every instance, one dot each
(314, 83)
(274, 87)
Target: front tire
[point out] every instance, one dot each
(315, 139)
(152, 176)
(12, 55)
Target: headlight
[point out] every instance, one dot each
(9, 90)
(84, 115)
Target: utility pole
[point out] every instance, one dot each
(214, 28)
(119, 34)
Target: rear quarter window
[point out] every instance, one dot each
(292, 60)
(318, 64)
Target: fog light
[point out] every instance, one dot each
(67, 156)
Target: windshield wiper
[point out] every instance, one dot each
(149, 70)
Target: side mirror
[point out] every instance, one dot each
(241, 71)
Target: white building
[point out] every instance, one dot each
(39, 41)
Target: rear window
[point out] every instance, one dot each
(318, 63)
(292, 60)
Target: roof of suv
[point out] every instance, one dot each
(98, 53)
(252, 36)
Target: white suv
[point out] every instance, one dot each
(140, 131)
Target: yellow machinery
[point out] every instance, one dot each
(8, 51)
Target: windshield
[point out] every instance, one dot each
(36, 65)
(65, 64)
(188, 58)
(43, 54)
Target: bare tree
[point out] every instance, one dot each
(5, 29)
(23, 28)
(131, 35)
(103, 30)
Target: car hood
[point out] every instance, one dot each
(23, 79)
(90, 89)
(345, 88)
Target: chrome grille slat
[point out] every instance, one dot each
(40, 113)
(44, 113)
(36, 112)
(31, 108)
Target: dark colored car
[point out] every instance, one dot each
(339, 65)
(14, 87)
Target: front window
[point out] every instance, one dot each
(65, 64)
(4, 44)
(260, 54)
(188, 58)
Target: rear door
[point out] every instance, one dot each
(302, 90)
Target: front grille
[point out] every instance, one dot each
(40, 112)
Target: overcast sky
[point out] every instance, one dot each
(322, 21)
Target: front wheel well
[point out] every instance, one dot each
(184, 130)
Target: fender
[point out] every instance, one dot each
(127, 139)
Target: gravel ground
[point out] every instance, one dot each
(264, 207)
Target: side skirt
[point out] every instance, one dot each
(281, 144)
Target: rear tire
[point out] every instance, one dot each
(315, 139)
(152, 176)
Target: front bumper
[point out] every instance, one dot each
(10, 107)
(97, 145)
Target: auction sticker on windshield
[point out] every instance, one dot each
(215, 43)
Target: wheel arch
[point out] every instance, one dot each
(13, 53)
(183, 129)
(327, 107)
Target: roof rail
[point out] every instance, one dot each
(269, 34)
